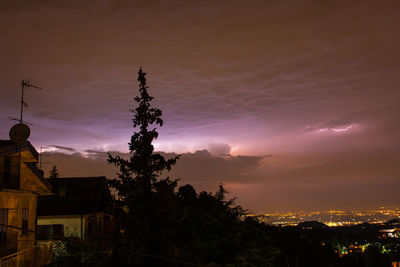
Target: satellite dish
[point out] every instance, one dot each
(19, 132)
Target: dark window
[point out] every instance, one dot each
(9, 173)
(44, 232)
(58, 230)
(49, 232)
(6, 170)
(25, 217)
(92, 227)
(3, 224)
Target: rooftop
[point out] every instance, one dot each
(75, 195)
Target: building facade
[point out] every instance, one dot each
(79, 208)
(21, 182)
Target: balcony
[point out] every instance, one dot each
(40, 255)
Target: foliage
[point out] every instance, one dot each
(141, 171)
(76, 252)
(215, 232)
(161, 227)
(54, 173)
(148, 200)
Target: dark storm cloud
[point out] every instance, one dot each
(63, 148)
(201, 169)
(271, 182)
(95, 153)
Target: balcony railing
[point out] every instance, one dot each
(37, 256)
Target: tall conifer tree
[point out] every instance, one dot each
(147, 200)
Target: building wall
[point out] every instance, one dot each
(17, 238)
(30, 182)
(92, 224)
(74, 225)
(20, 184)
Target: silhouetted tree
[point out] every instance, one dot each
(161, 227)
(54, 173)
(214, 231)
(148, 200)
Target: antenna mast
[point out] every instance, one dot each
(25, 83)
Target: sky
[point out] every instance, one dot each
(290, 104)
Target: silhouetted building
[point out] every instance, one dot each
(78, 208)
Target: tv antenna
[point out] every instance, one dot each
(20, 132)
(24, 84)
(15, 119)
(41, 158)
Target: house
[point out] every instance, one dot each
(78, 208)
(21, 182)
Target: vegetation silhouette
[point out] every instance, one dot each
(148, 207)
(54, 173)
(159, 226)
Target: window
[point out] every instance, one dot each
(58, 231)
(25, 217)
(48, 232)
(3, 224)
(9, 173)
(92, 225)
(6, 170)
